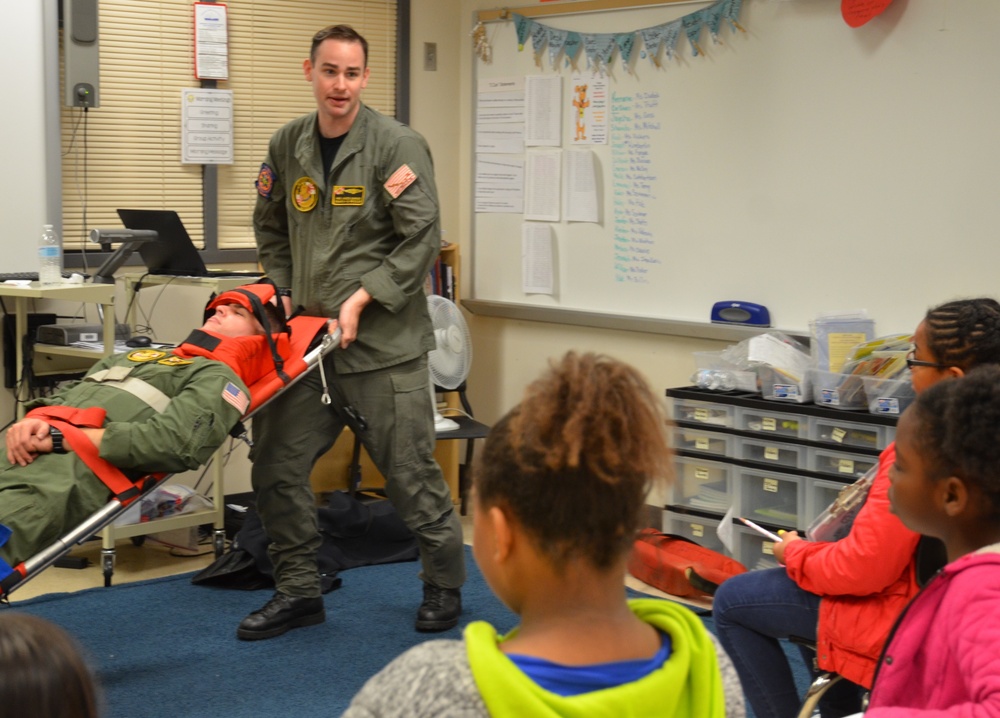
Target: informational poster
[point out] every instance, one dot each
(206, 126)
(211, 41)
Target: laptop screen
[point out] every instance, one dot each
(173, 253)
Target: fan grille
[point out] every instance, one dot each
(451, 360)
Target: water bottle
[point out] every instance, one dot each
(49, 257)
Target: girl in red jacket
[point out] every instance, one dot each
(845, 595)
(942, 657)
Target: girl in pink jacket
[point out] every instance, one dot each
(943, 657)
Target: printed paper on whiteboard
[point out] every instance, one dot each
(581, 186)
(536, 258)
(542, 185)
(543, 104)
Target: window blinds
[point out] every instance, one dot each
(126, 153)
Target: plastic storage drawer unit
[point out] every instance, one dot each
(772, 423)
(770, 497)
(761, 451)
(701, 484)
(703, 531)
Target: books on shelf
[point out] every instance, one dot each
(441, 280)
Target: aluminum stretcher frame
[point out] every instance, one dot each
(314, 348)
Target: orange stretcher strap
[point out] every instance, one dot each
(69, 419)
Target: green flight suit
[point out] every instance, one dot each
(56, 492)
(325, 237)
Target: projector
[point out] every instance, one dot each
(66, 334)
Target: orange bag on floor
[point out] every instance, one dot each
(679, 566)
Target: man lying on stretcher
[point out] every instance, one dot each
(147, 410)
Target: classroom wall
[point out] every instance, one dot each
(509, 353)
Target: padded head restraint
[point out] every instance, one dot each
(252, 297)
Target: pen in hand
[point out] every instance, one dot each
(759, 529)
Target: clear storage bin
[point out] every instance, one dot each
(776, 386)
(703, 531)
(820, 493)
(772, 422)
(847, 433)
(701, 484)
(703, 442)
(761, 451)
(840, 391)
(839, 463)
(704, 412)
(889, 396)
(753, 550)
(770, 497)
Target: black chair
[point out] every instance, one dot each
(468, 429)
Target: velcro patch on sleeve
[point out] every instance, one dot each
(400, 180)
(265, 181)
(235, 396)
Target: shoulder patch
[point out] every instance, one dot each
(400, 180)
(235, 396)
(265, 181)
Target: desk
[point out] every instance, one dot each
(102, 294)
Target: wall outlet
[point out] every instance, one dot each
(430, 56)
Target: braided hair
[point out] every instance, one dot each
(959, 430)
(574, 461)
(965, 332)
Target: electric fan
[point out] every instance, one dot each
(450, 362)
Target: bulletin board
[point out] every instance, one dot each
(795, 162)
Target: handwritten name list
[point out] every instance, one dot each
(634, 119)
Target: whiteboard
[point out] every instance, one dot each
(802, 165)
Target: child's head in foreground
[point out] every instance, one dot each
(572, 464)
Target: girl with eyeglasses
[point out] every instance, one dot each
(846, 595)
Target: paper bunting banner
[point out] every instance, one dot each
(523, 25)
(713, 18)
(539, 36)
(600, 47)
(572, 45)
(556, 41)
(625, 43)
(664, 36)
(693, 24)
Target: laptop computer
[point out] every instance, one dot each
(174, 253)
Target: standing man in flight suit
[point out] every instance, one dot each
(347, 224)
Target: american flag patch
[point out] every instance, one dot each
(400, 180)
(235, 396)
